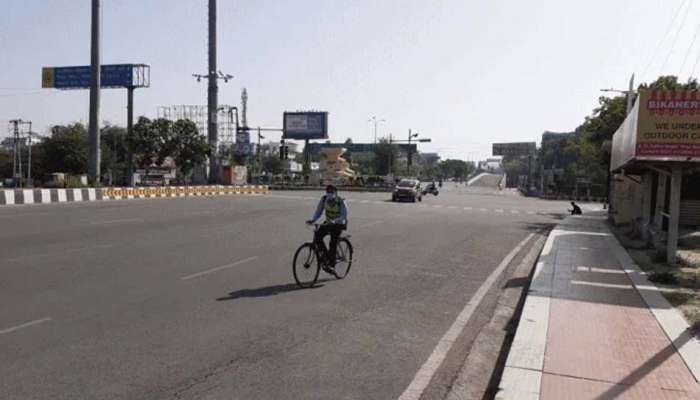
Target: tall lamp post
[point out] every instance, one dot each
(630, 94)
(376, 122)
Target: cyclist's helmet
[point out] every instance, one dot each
(331, 189)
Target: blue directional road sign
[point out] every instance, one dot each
(111, 76)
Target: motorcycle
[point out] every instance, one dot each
(431, 189)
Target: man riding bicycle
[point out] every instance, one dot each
(336, 221)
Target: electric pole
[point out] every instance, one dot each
(213, 93)
(244, 107)
(93, 125)
(17, 170)
(16, 152)
(213, 77)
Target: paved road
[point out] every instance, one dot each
(487, 180)
(194, 298)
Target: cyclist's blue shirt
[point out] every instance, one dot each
(343, 211)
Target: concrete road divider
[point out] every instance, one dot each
(44, 196)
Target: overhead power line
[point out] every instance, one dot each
(690, 48)
(675, 39)
(663, 38)
(23, 94)
(697, 59)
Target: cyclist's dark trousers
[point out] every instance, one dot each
(328, 229)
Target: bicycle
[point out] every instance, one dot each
(308, 262)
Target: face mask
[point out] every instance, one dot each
(330, 196)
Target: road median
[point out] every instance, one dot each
(9, 197)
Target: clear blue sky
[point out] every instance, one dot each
(465, 73)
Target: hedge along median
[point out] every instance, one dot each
(45, 196)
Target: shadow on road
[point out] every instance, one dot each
(539, 226)
(517, 282)
(268, 291)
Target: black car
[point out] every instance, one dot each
(407, 189)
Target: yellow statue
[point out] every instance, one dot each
(334, 167)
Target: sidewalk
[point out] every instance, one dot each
(593, 327)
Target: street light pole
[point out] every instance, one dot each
(376, 122)
(410, 154)
(630, 94)
(30, 183)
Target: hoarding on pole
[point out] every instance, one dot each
(517, 149)
(662, 126)
(305, 125)
(669, 124)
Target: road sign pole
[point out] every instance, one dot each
(130, 132)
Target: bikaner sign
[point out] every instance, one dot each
(668, 124)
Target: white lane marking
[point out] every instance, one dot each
(514, 212)
(364, 201)
(23, 215)
(483, 209)
(437, 206)
(25, 325)
(209, 271)
(63, 251)
(498, 210)
(467, 208)
(367, 225)
(426, 372)
(531, 213)
(452, 207)
(115, 221)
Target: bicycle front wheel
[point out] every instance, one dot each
(305, 265)
(343, 258)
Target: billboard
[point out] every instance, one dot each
(243, 136)
(111, 76)
(668, 124)
(359, 147)
(662, 126)
(305, 125)
(244, 148)
(517, 149)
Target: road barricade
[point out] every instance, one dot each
(43, 196)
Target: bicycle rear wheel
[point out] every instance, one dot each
(305, 265)
(343, 258)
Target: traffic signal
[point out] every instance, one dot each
(282, 152)
(286, 152)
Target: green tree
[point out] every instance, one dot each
(185, 145)
(5, 164)
(272, 164)
(385, 156)
(363, 163)
(114, 153)
(66, 150)
(150, 141)
(457, 169)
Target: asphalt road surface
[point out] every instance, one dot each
(194, 298)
